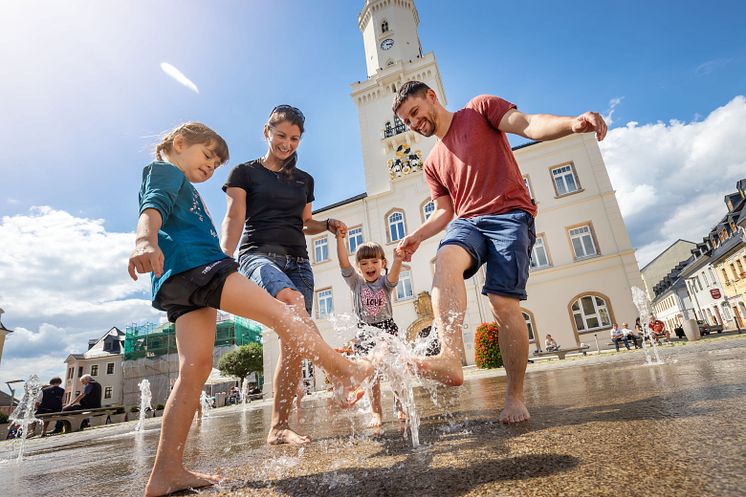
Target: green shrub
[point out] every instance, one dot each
(3, 417)
(134, 409)
(486, 347)
(160, 407)
(120, 410)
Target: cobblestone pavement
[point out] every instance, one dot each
(602, 425)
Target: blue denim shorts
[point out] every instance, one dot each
(503, 242)
(274, 272)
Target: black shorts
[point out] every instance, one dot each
(194, 289)
(365, 342)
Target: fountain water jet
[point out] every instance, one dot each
(24, 412)
(145, 398)
(643, 308)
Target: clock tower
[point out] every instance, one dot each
(393, 56)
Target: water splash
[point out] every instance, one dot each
(23, 414)
(145, 398)
(204, 401)
(244, 392)
(640, 299)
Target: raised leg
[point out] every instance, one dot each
(449, 307)
(243, 297)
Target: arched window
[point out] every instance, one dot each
(529, 318)
(384, 26)
(591, 313)
(397, 229)
(427, 209)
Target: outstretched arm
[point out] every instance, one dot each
(395, 269)
(314, 227)
(235, 216)
(543, 127)
(342, 254)
(438, 220)
(147, 256)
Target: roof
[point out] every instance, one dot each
(2, 326)
(666, 250)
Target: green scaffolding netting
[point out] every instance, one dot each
(151, 340)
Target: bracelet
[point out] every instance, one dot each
(327, 224)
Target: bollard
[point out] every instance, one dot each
(598, 349)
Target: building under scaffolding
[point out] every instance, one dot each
(150, 353)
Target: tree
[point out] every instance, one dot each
(243, 361)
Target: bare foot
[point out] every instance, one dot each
(168, 483)
(279, 436)
(349, 390)
(375, 421)
(514, 411)
(444, 369)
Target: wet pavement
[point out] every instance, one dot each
(602, 425)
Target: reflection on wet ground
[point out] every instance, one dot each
(601, 426)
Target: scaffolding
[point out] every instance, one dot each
(150, 353)
(149, 340)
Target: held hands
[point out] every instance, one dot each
(341, 232)
(146, 258)
(408, 246)
(333, 225)
(590, 122)
(399, 254)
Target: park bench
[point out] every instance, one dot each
(73, 420)
(561, 353)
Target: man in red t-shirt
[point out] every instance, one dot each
(472, 173)
(658, 329)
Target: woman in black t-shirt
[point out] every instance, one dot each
(269, 200)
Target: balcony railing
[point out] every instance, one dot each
(390, 131)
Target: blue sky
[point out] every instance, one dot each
(83, 99)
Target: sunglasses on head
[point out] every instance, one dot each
(289, 108)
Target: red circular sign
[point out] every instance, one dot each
(715, 293)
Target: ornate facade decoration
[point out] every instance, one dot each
(405, 162)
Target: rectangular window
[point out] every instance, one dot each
(326, 303)
(528, 186)
(404, 287)
(321, 249)
(539, 258)
(565, 180)
(80, 371)
(107, 392)
(70, 372)
(94, 369)
(110, 368)
(355, 238)
(704, 277)
(582, 242)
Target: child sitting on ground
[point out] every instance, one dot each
(192, 277)
(371, 296)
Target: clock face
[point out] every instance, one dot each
(387, 43)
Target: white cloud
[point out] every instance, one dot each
(64, 280)
(178, 76)
(671, 178)
(707, 68)
(613, 103)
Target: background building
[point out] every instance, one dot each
(657, 269)
(583, 264)
(103, 361)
